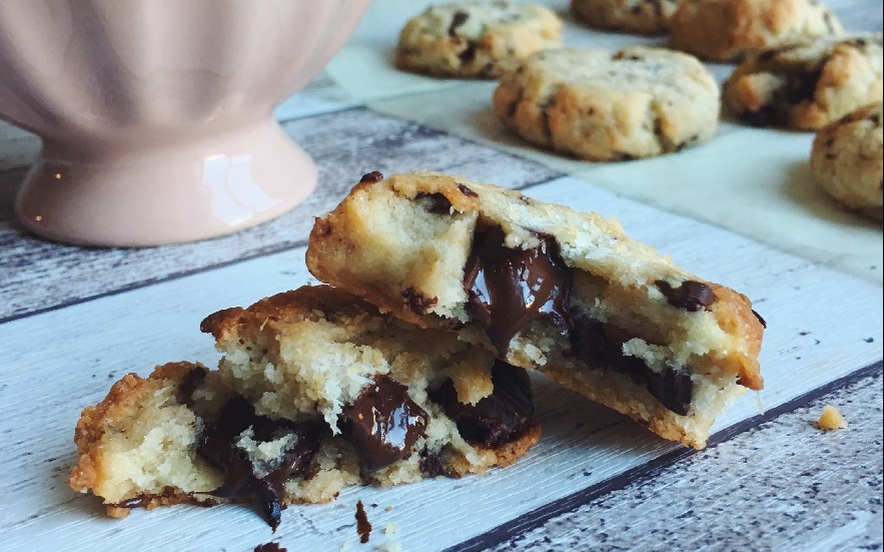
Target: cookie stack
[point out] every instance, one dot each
(413, 362)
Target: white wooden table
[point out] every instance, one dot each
(74, 320)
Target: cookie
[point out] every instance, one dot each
(846, 160)
(475, 39)
(315, 391)
(548, 288)
(640, 102)
(807, 85)
(643, 17)
(727, 30)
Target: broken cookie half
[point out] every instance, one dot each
(315, 391)
(545, 287)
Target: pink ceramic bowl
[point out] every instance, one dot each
(156, 115)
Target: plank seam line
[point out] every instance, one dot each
(639, 474)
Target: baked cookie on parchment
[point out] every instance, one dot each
(639, 102)
(727, 30)
(475, 39)
(643, 17)
(315, 391)
(805, 86)
(545, 287)
(847, 160)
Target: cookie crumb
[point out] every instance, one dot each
(391, 527)
(389, 546)
(388, 509)
(831, 419)
(118, 512)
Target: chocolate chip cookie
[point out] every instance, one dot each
(545, 287)
(805, 86)
(727, 30)
(640, 102)
(315, 391)
(846, 159)
(643, 17)
(475, 39)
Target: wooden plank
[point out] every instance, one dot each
(36, 275)
(786, 484)
(57, 362)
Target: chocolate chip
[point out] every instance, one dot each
(383, 423)
(270, 547)
(417, 301)
(496, 419)
(469, 54)
(760, 319)
(190, 382)
(801, 86)
(508, 288)
(766, 115)
(673, 388)
(767, 55)
(432, 464)
(457, 20)
(242, 478)
(372, 177)
(690, 295)
(466, 190)
(600, 346)
(435, 203)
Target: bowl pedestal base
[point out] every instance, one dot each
(146, 196)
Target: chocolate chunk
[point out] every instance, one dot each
(363, 526)
(417, 301)
(466, 190)
(600, 345)
(383, 423)
(673, 388)
(242, 477)
(190, 382)
(801, 86)
(760, 319)
(436, 203)
(371, 178)
(765, 116)
(469, 54)
(769, 54)
(690, 295)
(496, 419)
(270, 547)
(508, 288)
(432, 464)
(457, 20)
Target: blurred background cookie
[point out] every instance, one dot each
(640, 102)
(475, 39)
(726, 30)
(808, 85)
(644, 17)
(846, 160)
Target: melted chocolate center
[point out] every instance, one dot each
(242, 477)
(383, 423)
(508, 288)
(601, 345)
(496, 419)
